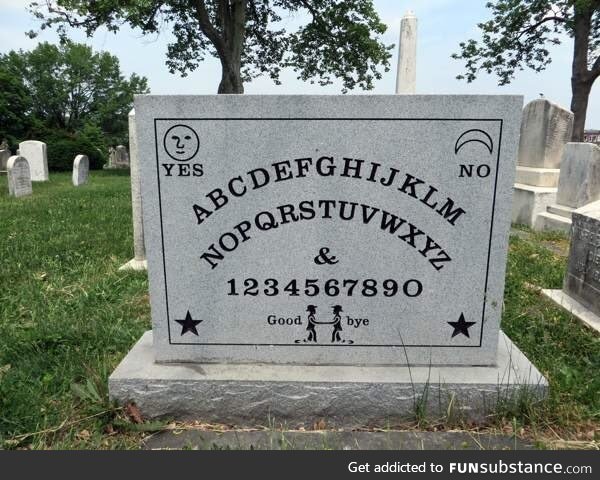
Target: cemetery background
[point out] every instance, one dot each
(57, 254)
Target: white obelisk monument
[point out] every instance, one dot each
(406, 79)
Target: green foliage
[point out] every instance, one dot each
(15, 107)
(341, 39)
(520, 31)
(70, 86)
(63, 148)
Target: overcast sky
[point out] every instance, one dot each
(442, 25)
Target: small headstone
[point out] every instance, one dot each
(117, 157)
(579, 182)
(121, 156)
(4, 156)
(36, 154)
(81, 167)
(582, 280)
(19, 177)
(545, 130)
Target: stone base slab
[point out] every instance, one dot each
(299, 395)
(575, 308)
(537, 177)
(547, 221)
(134, 264)
(529, 202)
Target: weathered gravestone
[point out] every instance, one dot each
(121, 156)
(324, 242)
(36, 154)
(81, 170)
(545, 130)
(19, 177)
(578, 185)
(117, 157)
(4, 156)
(581, 290)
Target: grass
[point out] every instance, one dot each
(68, 316)
(566, 352)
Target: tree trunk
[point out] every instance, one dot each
(231, 80)
(227, 32)
(579, 105)
(581, 83)
(232, 17)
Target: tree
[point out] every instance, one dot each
(71, 86)
(247, 36)
(519, 35)
(15, 107)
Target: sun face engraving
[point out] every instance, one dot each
(181, 143)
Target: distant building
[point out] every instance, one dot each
(592, 136)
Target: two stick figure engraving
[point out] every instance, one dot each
(336, 324)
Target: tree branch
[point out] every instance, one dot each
(208, 28)
(533, 27)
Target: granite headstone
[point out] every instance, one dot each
(318, 230)
(81, 169)
(36, 154)
(19, 177)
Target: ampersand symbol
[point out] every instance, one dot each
(324, 258)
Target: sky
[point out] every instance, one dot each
(442, 25)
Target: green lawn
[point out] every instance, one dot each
(67, 317)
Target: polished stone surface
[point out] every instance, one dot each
(387, 216)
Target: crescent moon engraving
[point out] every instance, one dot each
(474, 135)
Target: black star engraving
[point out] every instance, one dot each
(188, 325)
(461, 326)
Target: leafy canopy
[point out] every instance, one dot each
(70, 86)
(519, 35)
(340, 39)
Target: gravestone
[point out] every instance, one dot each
(36, 154)
(81, 169)
(19, 177)
(311, 240)
(579, 182)
(121, 157)
(581, 290)
(138, 262)
(578, 185)
(118, 157)
(545, 130)
(4, 156)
